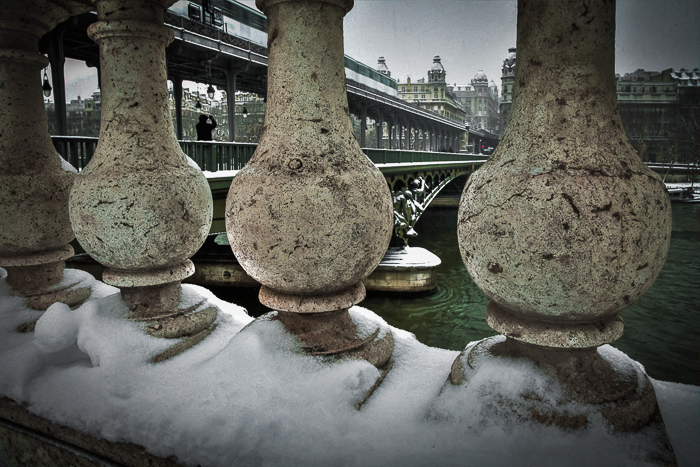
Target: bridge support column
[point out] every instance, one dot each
(363, 126)
(139, 208)
(311, 271)
(57, 59)
(399, 133)
(390, 128)
(177, 96)
(409, 135)
(35, 231)
(380, 129)
(549, 275)
(231, 75)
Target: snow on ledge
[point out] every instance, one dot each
(235, 399)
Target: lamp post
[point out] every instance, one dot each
(46, 87)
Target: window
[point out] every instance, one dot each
(403, 88)
(415, 88)
(422, 96)
(422, 89)
(194, 12)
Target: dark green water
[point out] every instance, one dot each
(662, 329)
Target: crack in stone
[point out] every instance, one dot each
(520, 195)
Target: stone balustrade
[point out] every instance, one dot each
(562, 227)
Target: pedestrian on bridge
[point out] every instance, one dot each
(204, 129)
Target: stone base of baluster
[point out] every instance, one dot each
(42, 280)
(567, 388)
(73, 289)
(336, 334)
(191, 323)
(323, 326)
(333, 336)
(555, 334)
(159, 304)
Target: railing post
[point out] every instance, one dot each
(310, 216)
(139, 208)
(35, 232)
(564, 226)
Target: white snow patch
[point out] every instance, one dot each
(67, 166)
(245, 396)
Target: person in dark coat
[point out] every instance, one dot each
(204, 129)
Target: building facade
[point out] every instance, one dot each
(507, 88)
(434, 95)
(82, 116)
(480, 102)
(660, 110)
(661, 113)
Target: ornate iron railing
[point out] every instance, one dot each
(214, 156)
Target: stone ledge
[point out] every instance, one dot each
(27, 439)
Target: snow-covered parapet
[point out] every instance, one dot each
(248, 396)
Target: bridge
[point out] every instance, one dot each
(231, 54)
(221, 161)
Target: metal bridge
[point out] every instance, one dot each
(220, 161)
(226, 58)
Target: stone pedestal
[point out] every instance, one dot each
(310, 216)
(139, 208)
(35, 230)
(564, 225)
(405, 269)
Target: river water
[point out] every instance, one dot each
(662, 329)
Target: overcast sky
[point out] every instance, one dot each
(472, 35)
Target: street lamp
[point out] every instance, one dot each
(245, 112)
(210, 92)
(46, 87)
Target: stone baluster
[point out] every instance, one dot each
(564, 225)
(139, 208)
(35, 230)
(310, 216)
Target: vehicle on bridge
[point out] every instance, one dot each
(231, 17)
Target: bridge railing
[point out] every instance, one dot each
(401, 156)
(209, 155)
(77, 150)
(214, 156)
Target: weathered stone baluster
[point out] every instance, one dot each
(310, 215)
(564, 225)
(139, 208)
(35, 230)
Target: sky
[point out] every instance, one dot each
(473, 35)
